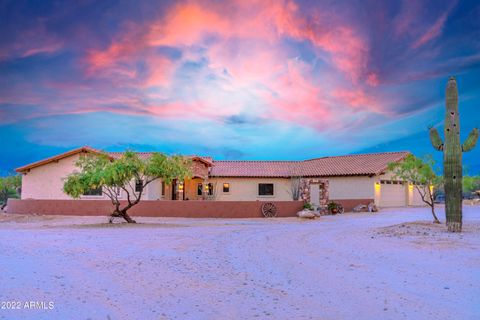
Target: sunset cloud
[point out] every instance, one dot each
(432, 32)
(245, 51)
(242, 71)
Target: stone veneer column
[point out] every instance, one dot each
(305, 188)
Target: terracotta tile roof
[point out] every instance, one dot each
(146, 155)
(350, 165)
(87, 149)
(254, 168)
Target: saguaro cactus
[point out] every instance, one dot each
(452, 156)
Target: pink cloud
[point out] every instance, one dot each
(185, 25)
(118, 62)
(243, 38)
(372, 79)
(358, 99)
(189, 24)
(46, 48)
(435, 30)
(159, 72)
(294, 97)
(348, 51)
(432, 33)
(33, 41)
(407, 20)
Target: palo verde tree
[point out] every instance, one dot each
(129, 173)
(421, 176)
(452, 150)
(9, 188)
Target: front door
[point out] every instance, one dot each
(315, 194)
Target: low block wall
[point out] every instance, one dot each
(146, 208)
(349, 204)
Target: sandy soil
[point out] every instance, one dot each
(389, 265)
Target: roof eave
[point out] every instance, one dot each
(200, 159)
(385, 168)
(58, 157)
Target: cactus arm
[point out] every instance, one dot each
(435, 139)
(471, 141)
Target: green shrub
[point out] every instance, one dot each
(307, 206)
(332, 206)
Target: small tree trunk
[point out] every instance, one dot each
(122, 214)
(435, 219)
(125, 216)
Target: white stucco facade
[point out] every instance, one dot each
(246, 189)
(352, 187)
(46, 181)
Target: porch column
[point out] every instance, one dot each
(205, 188)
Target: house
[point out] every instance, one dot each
(350, 179)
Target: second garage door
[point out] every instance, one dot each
(392, 194)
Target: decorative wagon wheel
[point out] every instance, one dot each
(340, 208)
(269, 210)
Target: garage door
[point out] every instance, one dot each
(392, 194)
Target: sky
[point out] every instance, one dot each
(241, 79)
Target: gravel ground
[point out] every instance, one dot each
(390, 265)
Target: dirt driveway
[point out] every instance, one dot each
(390, 265)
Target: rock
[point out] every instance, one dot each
(360, 208)
(363, 208)
(306, 214)
(372, 207)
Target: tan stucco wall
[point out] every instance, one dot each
(46, 182)
(154, 190)
(339, 188)
(243, 189)
(351, 187)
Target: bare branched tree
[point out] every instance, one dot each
(295, 187)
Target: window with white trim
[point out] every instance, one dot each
(93, 192)
(226, 187)
(265, 189)
(138, 185)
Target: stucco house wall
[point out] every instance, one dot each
(354, 187)
(154, 190)
(246, 189)
(340, 188)
(46, 181)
